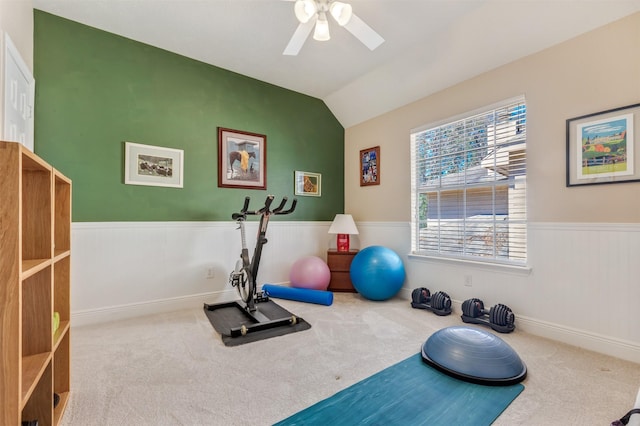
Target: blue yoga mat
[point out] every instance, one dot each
(410, 393)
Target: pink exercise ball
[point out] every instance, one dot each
(310, 272)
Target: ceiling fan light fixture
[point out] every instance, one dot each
(341, 12)
(312, 15)
(305, 10)
(321, 32)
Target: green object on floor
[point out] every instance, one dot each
(410, 393)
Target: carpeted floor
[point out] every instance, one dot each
(173, 369)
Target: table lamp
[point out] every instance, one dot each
(343, 225)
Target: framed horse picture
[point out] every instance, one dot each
(242, 159)
(370, 166)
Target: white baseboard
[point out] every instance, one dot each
(618, 348)
(133, 310)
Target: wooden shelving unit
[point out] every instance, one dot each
(35, 262)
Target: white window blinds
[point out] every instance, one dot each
(469, 186)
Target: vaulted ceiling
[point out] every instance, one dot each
(429, 44)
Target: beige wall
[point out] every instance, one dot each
(597, 71)
(16, 19)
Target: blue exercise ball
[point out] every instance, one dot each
(377, 273)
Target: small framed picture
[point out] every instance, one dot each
(370, 166)
(153, 165)
(602, 147)
(242, 159)
(309, 184)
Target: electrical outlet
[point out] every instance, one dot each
(468, 280)
(211, 273)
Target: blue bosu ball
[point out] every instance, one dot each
(474, 355)
(377, 273)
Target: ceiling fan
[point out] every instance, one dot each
(313, 13)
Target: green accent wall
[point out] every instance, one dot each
(96, 90)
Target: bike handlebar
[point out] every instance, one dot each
(267, 204)
(280, 207)
(291, 209)
(265, 209)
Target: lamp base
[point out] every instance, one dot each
(343, 242)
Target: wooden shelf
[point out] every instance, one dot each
(60, 333)
(62, 214)
(35, 263)
(33, 367)
(31, 162)
(33, 266)
(62, 405)
(59, 254)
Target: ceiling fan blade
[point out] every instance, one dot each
(298, 38)
(363, 32)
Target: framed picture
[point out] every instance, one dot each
(309, 184)
(370, 166)
(242, 159)
(152, 165)
(603, 147)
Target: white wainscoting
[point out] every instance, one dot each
(582, 288)
(126, 269)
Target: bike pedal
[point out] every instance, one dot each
(262, 297)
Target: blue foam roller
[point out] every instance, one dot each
(319, 297)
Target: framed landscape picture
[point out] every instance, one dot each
(603, 147)
(153, 165)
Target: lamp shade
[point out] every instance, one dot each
(304, 10)
(321, 32)
(343, 224)
(341, 12)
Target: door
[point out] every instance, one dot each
(19, 97)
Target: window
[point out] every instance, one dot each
(469, 185)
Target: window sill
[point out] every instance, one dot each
(501, 267)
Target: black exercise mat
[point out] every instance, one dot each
(228, 317)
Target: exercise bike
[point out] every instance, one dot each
(244, 276)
